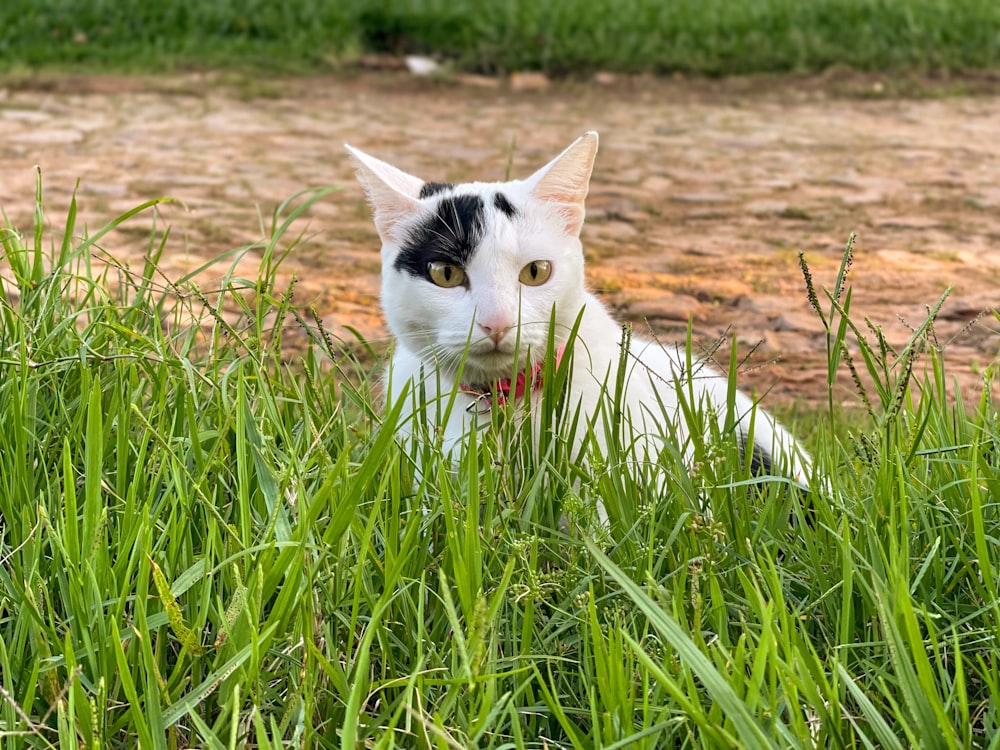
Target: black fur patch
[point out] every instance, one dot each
(760, 462)
(451, 236)
(504, 206)
(433, 188)
(761, 465)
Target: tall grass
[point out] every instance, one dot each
(203, 544)
(568, 37)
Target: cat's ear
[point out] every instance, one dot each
(392, 192)
(565, 180)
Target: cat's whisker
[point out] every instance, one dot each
(447, 238)
(453, 226)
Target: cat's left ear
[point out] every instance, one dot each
(565, 180)
(392, 192)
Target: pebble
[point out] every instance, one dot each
(25, 115)
(795, 320)
(112, 189)
(529, 81)
(766, 207)
(864, 198)
(706, 197)
(48, 136)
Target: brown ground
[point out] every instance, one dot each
(703, 195)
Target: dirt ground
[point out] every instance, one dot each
(703, 195)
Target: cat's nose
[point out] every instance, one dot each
(495, 330)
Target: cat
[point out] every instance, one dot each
(477, 276)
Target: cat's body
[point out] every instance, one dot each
(474, 274)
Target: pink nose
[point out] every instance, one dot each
(496, 330)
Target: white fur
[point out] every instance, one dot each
(437, 330)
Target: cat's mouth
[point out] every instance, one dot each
(527, 379)
(488, 364)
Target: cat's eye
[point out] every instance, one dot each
(536, 273)
(444, 274)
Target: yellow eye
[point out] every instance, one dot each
(444, 274)
(536, 273)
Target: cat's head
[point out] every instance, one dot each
(481, 264)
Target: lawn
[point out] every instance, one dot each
(568, 37)
(206, 542)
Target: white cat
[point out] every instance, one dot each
(473, 275)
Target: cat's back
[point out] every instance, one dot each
(651, 369)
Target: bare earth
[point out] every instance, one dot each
(703, 195)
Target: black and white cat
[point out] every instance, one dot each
(474, 274)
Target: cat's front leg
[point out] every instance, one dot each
(434, 408)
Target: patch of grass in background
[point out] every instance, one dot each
(569, 37)
(203, 545)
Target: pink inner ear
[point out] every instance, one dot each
(387, 221)
(391, 192)
(565, 181)
(572, 216)
(390, 207)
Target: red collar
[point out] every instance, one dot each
(504, 390)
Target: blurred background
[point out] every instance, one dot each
(560, 38)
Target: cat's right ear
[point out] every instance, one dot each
(392, 193)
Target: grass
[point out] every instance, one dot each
(204, 545)
(570, 37)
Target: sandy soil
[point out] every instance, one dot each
(703, 195)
